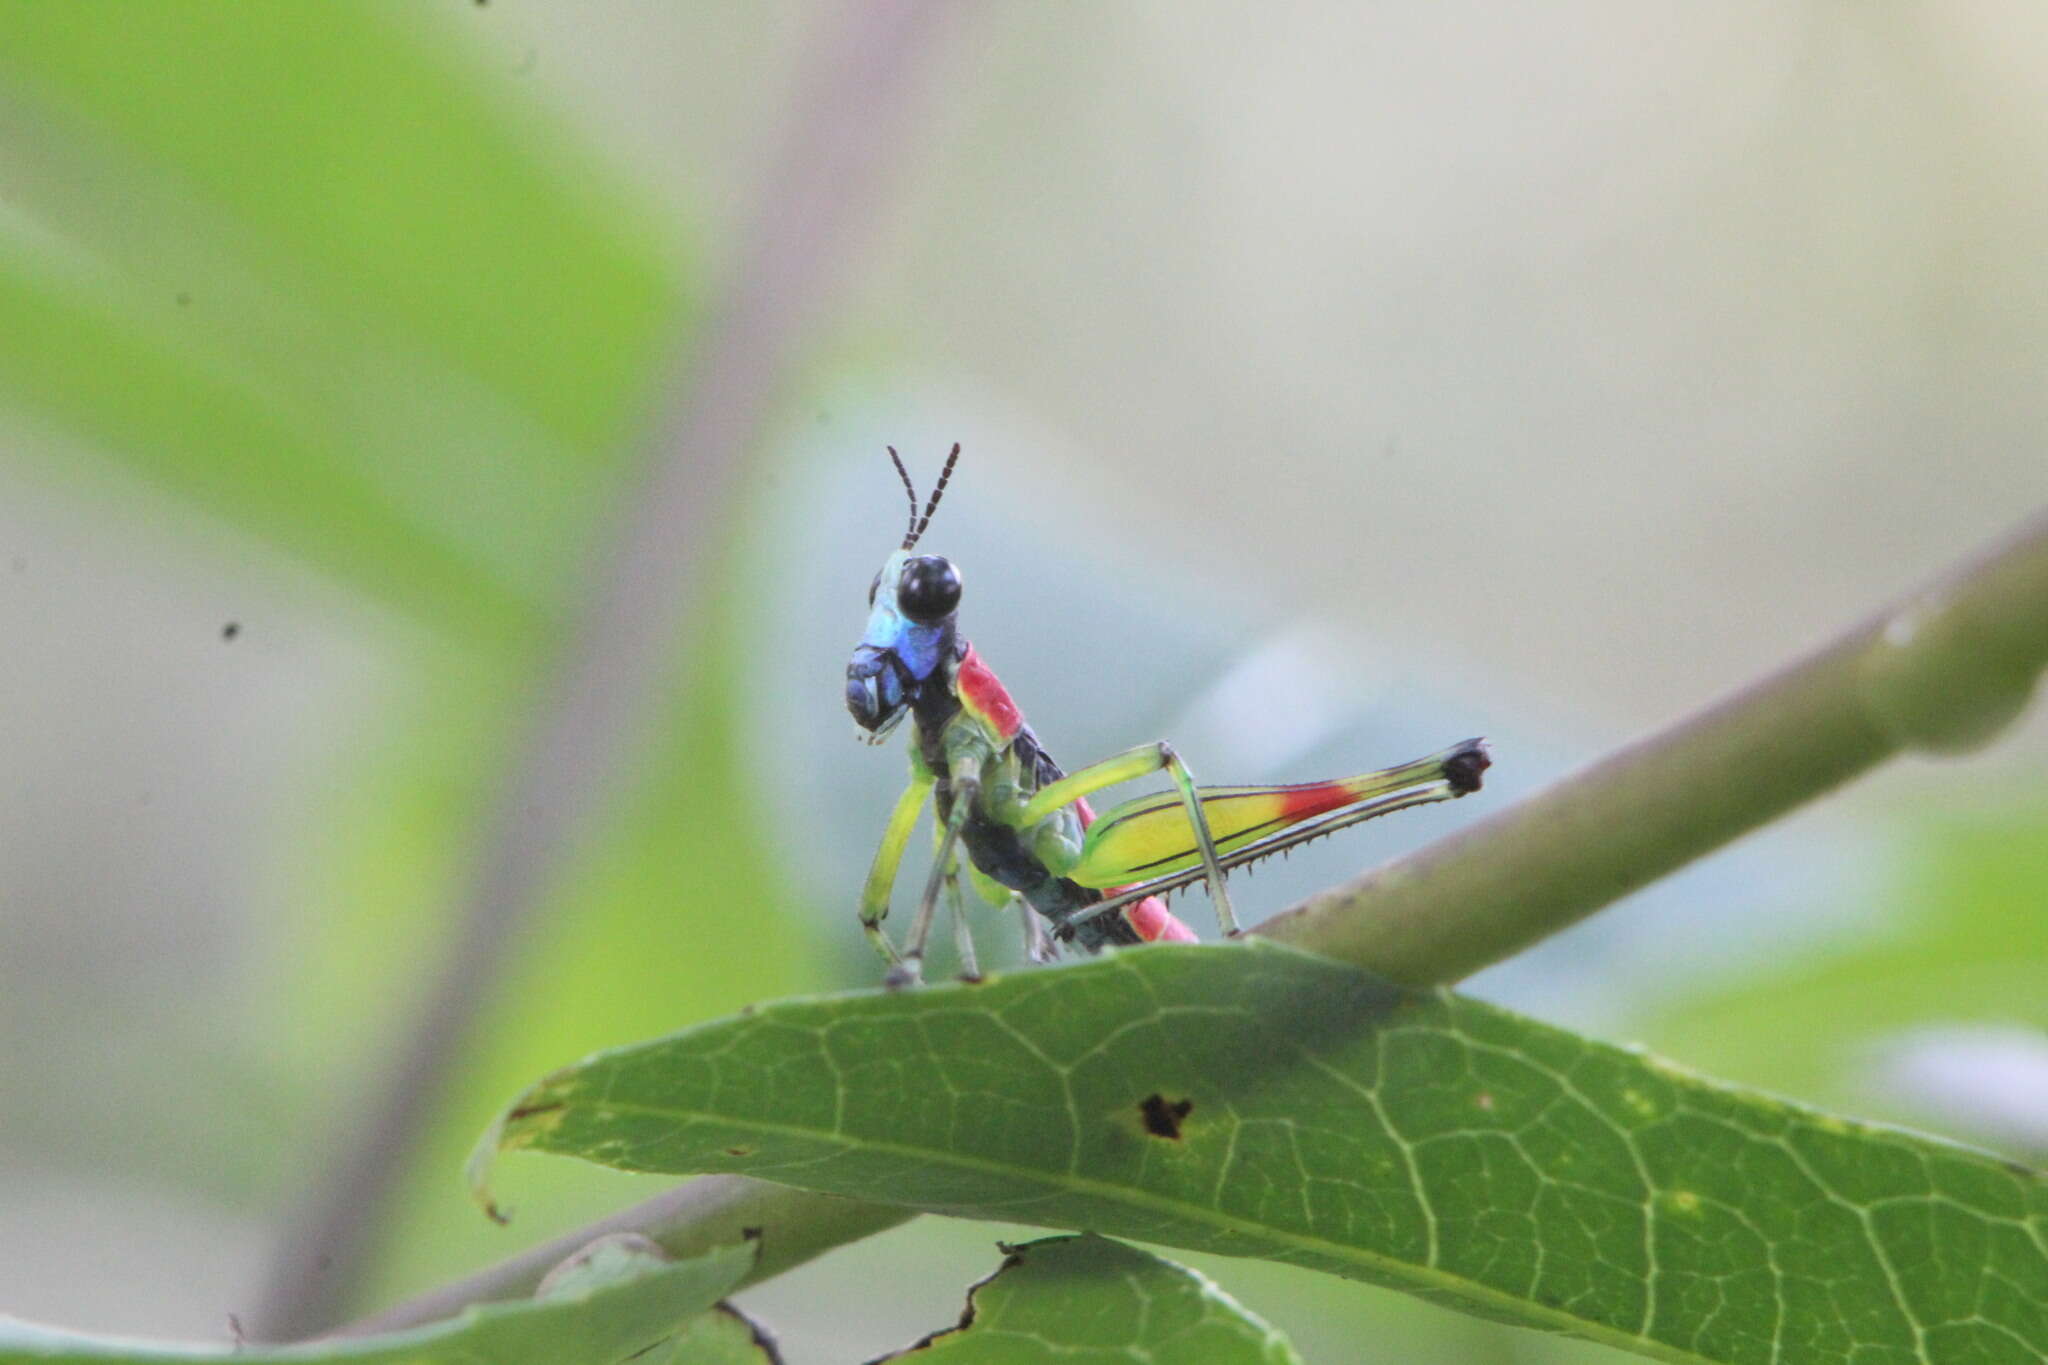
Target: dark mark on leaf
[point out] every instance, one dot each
(739, 1151)
(2019, 1168)
(526, 1111)
(1162, 1120)
(231, 630)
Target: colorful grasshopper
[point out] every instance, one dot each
(1026, 825)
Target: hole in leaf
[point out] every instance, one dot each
(1162, 1118)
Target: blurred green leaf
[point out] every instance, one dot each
(329, 280)
(1958, 939)
(1088, 1299)
(316, 273)
(605, 1321)
(672, 915)
(1255, 1101)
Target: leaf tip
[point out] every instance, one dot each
(476, 1173)
(529, 1118)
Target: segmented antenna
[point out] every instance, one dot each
(932, 503)
(910, 535)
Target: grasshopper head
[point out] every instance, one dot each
(910, 621)
(912, 605)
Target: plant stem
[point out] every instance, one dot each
(589, 711)
(1943, 671)
(713, 1210)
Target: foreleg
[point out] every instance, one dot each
(874, 896)
(910, 966)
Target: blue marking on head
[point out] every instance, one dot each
(893, 648)
(919, 647)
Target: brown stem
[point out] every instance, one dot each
(590, 709)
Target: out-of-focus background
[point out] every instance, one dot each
(1336, 381)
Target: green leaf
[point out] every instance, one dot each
(322, 275)
(1083, 1299)
(606, 1319)
(723, 1336)
(1257, 1101)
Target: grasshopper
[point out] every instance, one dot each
(1028, 831)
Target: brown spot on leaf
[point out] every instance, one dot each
(1163, 1118)
(527, 1111)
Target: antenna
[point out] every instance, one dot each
(909, 536)
(932, 503)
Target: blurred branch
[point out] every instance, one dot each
(714, 1210)
(1944, 670)
(588, 714)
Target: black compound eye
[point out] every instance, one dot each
(928, 590)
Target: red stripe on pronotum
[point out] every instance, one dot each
(1150, 917)
(983, 694)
